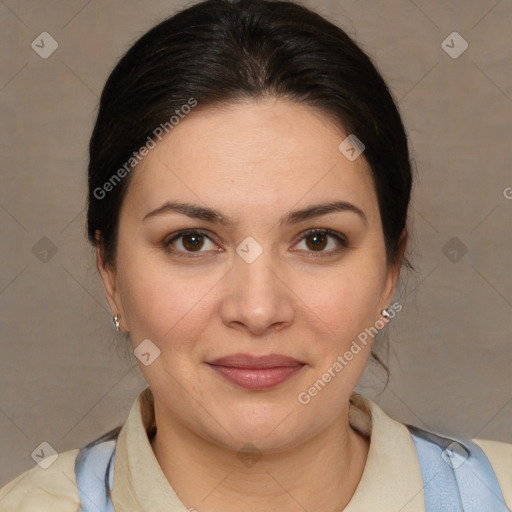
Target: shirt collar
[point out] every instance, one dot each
(391, 478)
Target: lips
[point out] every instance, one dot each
(256, 372)
(249, 361)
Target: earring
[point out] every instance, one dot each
(116, 322)
(385, 313)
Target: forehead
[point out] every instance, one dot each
(253, 156)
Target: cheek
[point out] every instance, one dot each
(344, 310)
(160, 303)
(345, 301)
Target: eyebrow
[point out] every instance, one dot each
(293, 217)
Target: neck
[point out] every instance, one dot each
(321, 474)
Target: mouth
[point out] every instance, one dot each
(256, 372)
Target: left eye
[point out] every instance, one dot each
(317, 240)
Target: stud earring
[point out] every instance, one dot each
(385, 313)
(116, 322)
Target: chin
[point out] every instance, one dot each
(268, 432)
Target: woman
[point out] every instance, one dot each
(249, 183)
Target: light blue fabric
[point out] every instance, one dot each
(457, 475)
(94, 470)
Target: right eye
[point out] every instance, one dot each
(190, 240)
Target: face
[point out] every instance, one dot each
(253, 276)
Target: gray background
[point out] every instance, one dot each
(66, 377)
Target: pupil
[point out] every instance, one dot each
(194, 244)
(319, 241)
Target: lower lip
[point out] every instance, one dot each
(257, 378)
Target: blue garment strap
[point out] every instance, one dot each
(457, 475)
(94, 470)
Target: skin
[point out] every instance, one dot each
(294, 299)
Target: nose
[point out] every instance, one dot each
(257, 297)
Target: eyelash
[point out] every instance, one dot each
(314, 254)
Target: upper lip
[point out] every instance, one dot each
(249, 361)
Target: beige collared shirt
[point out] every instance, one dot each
(391, 480)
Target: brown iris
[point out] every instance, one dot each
(319, 241)
(192, 241)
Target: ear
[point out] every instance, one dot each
(394, 272)
(108, 276)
